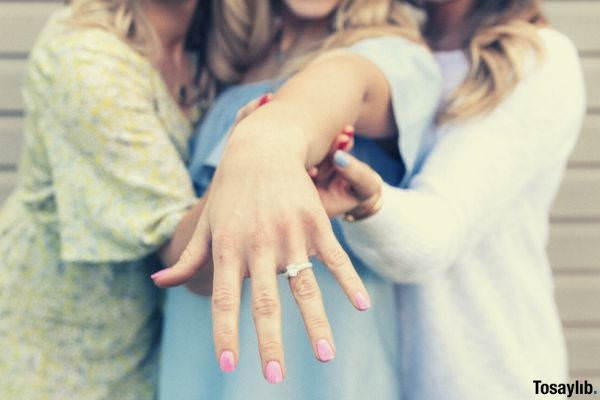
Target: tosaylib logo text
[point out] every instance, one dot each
(568, 389)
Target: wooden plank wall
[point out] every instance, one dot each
(575, 235)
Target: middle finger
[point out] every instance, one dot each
(266, 312)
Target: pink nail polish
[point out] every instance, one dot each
(273, 372)
(227, 361)
(343, 143)
(362, 302)
(159, 274)
(324, 350)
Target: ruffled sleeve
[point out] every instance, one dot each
(120, 183)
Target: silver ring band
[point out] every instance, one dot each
(294, 269)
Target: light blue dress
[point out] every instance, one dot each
(367, 355)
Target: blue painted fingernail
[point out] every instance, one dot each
(340, 158)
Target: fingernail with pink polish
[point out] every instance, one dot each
(343, 143)
(273, 372)
(227, 361)
(362, 302)
(324, 350)
(158, 274)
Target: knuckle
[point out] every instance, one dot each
(223, 245)
(317, 324)
(309, 218)
(283, 227)
(270, 346)
(223, 299)
(265, 305)
(259, 241)
(337, 259)
(305, 287)
(224, 333)
(351, 281)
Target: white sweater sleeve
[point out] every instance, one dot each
(475, 172)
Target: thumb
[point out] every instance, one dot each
(365, 182)
(192, 259)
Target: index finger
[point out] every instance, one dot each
(227, 286)
(193, 257)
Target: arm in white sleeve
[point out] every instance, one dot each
(475, 172)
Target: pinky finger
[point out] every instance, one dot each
(194, 256)
(335, 258)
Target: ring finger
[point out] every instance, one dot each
(308, 297)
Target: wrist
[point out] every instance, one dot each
(271, 132)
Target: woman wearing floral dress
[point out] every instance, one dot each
(103, 186)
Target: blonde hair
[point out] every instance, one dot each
(123, 18)
(503, 35)
(244, 31)
(126, 20)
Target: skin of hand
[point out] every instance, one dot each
(263, 211)
(201, 283)
(352, 186)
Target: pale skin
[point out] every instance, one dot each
(335, 204)
(334, 90)
(171, 24)
(282, 222)
(270, 243)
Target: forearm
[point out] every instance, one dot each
(313, 106)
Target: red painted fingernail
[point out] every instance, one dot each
(324, 350)
(273, 372)
(263, 100)
(227, 361)
(362, 302)
(343, 143)
(349, 130)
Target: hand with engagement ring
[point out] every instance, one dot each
(291, 228)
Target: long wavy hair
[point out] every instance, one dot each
(502, 35)
(245, 30)
(126, 20)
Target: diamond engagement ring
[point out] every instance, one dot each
(295, 268)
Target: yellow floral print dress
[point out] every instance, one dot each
(103, 184)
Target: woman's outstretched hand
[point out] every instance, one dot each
(263, 213)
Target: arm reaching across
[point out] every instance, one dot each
(263, 211)
(476, 173)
